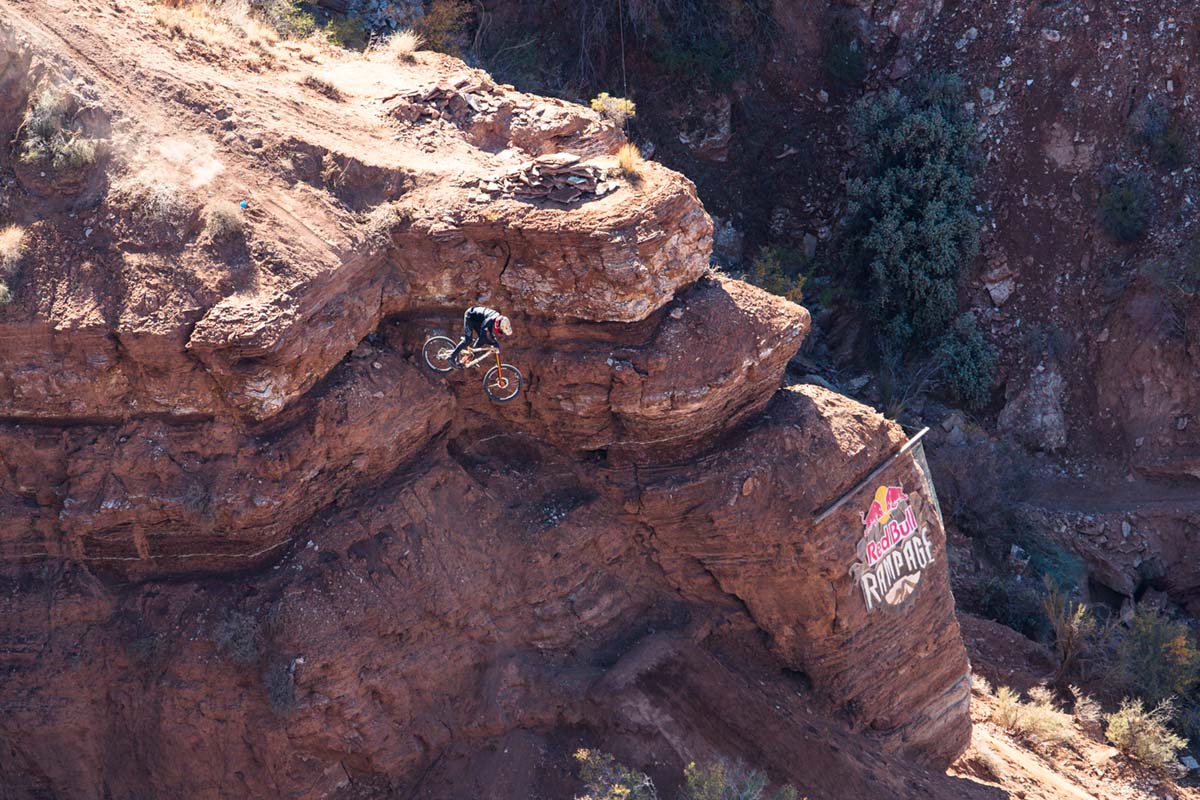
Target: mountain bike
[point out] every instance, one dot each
(502, 382)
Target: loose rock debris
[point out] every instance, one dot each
(561, 177)
(452, 97)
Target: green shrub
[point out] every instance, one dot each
(1156, 658)
(618, 109)
(968, 361)
(778, 270)
(1179, 273)
(1126, 204)
(348, 32)
(720, 780)
(605, 779)
(1161, 132)
(910, 224)
(286, 17)
(443, 27)
(1143, 735)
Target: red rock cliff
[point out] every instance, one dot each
(252, 547)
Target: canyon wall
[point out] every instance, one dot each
(251, 546)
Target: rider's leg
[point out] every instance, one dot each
(467, 335)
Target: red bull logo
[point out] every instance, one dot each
(894, 550)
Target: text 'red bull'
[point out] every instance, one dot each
(892, 533)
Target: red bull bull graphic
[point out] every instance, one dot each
(894, 550)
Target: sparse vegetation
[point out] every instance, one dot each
(348, 32)
(1156, 657)
(287, 17)
(1087, 712)
(1143, 734)
(1126, 204)
(630, 161)
(13, 245)
(155, 203)
(212, 23)
(967, 363)
(12, 248)
(223, 221)
(618, 109)
(1037, 721)
(1160, 131)
(280, 685)
(443, 26)
(380, 220)
(981, 685)
(324, 86)
(51, 135)
(239, 635)
(720, 780)
(1011, 601)
(402, 45)
(778, 270)
(1073, 627)
(605, 779)
(911, 227)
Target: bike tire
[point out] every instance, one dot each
(436, 353)
(503, 383)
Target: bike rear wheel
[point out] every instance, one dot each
(502, 383)
(437, 351)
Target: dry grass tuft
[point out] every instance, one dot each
(381, 220)
(630, 161)
(324, 86)
(161, 207)
(214, 21)
(1037, 722)
(223, 220)
(12, 248)
(981, 685)
(402, 45)
(51, 134)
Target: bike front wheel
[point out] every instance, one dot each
(437, 352)
(502, 383)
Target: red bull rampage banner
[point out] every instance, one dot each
(894, 550)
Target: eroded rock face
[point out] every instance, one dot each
(746, 518)
(376, 574)
(1034, 415)
(1148, 382)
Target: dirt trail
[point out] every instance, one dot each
(1101, 495)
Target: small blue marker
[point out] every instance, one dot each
(244, 205)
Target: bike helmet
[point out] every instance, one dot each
(504, 325)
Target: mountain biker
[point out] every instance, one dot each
(481, 326)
